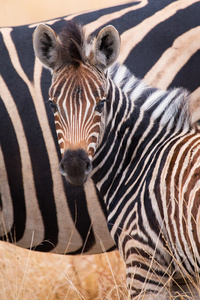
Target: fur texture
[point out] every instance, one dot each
(72, 48)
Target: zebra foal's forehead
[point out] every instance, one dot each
(78, 81)
(72, 46)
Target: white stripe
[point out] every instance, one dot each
(173, 59)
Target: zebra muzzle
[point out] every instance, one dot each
(75, 166)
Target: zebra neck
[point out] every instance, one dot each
(136, 116)
(118, 142)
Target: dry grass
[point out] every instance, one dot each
(31, 275)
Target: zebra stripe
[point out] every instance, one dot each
(146, 165)
(24, 83)
(169, 150)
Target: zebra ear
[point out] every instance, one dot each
(106, 47)
(46, 45)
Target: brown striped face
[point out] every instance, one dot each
(78, 90)
(77, 97)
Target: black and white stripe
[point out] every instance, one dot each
(145, 129)
(36, 204)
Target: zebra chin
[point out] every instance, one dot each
(75, 166)
(76, 181)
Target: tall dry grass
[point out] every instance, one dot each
(32, 275)
(29, 275)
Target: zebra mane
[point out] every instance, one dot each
(72, 48)
(172, 105)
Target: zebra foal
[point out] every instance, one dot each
(141, 147)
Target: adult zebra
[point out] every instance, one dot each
(141, 147)
(34, 198)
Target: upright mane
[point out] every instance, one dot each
(72, 48)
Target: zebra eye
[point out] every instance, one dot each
(53, 106)
(99, 106)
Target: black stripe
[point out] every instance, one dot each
(101, 202)
(13, 165)
(144, 279)
(22, 38)
(146, 267)
(1, 203)
(189, 74)
(134, 179)
(111, 249)
(87, 18)
(134, 17)
(37, 150)
(79, 212)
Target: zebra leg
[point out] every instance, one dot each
(148, 269)
(146, 281)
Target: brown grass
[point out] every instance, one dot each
(31, 275)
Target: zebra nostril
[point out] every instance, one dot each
(88, 166)
(62, 169)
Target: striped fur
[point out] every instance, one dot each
(146, 168)
(154, 39)
(73, 134)
(149, 180)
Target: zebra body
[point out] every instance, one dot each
(38, 209)
(149, 179)
(144, 147)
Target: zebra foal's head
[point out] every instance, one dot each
(78, 90)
